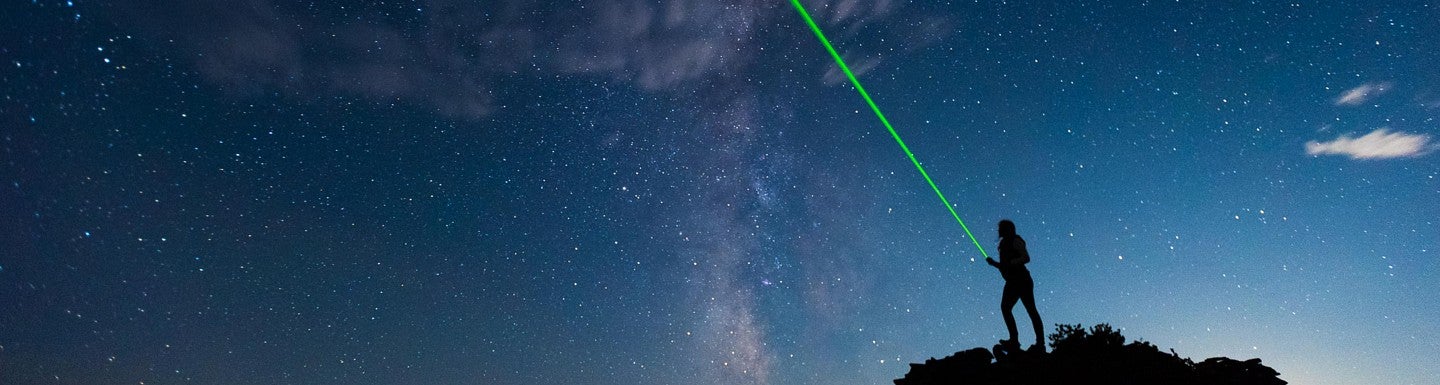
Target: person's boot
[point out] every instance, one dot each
(1005, 350)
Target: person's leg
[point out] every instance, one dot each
(1028, 298)
(1007, 303)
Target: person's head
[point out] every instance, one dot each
(1007, 228)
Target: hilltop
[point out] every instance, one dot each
(1098, 355)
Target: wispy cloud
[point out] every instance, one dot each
(1427, 100)
(1378, 144)
(450, 54)
(1358, 95)
(833, 74)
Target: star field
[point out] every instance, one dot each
(621, 192)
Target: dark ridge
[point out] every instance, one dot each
(1098, 355)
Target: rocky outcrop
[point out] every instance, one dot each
(1098, 355)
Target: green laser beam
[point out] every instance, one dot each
(886, 122)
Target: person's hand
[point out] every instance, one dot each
(992, 262)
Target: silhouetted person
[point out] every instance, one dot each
(1018, 285)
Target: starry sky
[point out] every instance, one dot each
(686, 191)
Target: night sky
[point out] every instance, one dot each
(689, 191)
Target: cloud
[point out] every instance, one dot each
(264, 47)
(1358, 95)
(661, 46)
(833, 74)
(450, 55)
(1427, 100)
(1378, 144)
(842, 11)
